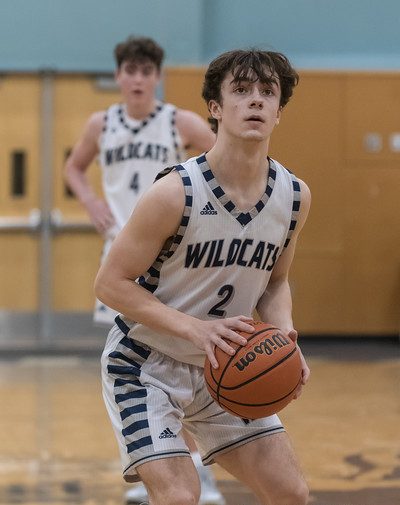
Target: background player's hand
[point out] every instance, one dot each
(100, 214)
(305, 374)
(217, 333)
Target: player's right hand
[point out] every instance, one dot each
(100, 215)
(218, 333)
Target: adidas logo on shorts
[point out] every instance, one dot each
(167, 433)
(208, 209)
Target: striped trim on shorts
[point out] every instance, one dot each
(150, 396)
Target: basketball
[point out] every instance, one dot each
(261, 378)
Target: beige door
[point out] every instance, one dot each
(19, 202)
(49, 252)
(76, 246)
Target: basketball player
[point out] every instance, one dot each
(211, 242)
(135, 140)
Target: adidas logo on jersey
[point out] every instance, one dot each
(167, 433)
(208, 209)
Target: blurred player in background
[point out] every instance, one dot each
(134, 140)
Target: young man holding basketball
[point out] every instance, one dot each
(210, 242)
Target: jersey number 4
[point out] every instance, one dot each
(134, 184)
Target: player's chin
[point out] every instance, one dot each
(255, 135)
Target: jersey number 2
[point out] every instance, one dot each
(226, 293)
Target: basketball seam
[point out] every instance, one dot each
(262, 404)
(233, 357)
(264, 372)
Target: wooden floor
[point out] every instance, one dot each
(57, 447)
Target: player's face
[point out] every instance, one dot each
(249, 110)
(138, 81)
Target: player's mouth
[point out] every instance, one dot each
(256, 118)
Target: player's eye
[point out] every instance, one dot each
(130, 69)
(147, 71)
(268, 91)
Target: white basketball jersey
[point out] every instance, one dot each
(221, 259)
(132, 153)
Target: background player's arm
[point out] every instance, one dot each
(82, 155)
(157, 217)
(194, 131)
(275, 305)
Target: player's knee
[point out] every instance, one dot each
(301, 493)
(175, 494)
(290, 492)
(297, 494)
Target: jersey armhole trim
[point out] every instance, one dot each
(151, 279)
(295, 208)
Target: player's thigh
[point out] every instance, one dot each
(266, 463)
(171, 480)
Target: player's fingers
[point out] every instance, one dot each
(305, 375)
(240, 324)
(224, 346)
(99, 226)
(299, 390)
(293, 335)
(235, 337)
(211, 356)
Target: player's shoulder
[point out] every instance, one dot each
(188, 119)
(305, 193)
(167, 191)
(96, 121)
(304, 189)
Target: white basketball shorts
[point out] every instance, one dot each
(150, 396)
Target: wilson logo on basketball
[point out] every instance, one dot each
(267, 346)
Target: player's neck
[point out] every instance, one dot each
(238, 159)
(140, 110)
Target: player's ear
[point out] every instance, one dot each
(215, 109)
(278, 116)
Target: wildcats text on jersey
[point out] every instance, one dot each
(138, 150)
(217, 253)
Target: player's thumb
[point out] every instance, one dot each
(293, 335)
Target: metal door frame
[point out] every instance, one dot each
(45, 328)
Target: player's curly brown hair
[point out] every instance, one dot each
(252, 64)
(139, 49)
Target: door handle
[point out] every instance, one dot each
(31, 223)
(59, 224)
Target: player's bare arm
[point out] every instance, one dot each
(194, 131)
(275, 306)
(155, 219)
(82, 155)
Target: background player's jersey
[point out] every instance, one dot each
(221, 259)
(132, 153)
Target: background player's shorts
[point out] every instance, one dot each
(149, 396)
(103, 315)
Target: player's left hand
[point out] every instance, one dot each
(305, 373)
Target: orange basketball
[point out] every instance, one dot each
(261, 378)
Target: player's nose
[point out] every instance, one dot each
(256, 100)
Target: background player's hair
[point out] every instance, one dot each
(139, 49)
(252, 64)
